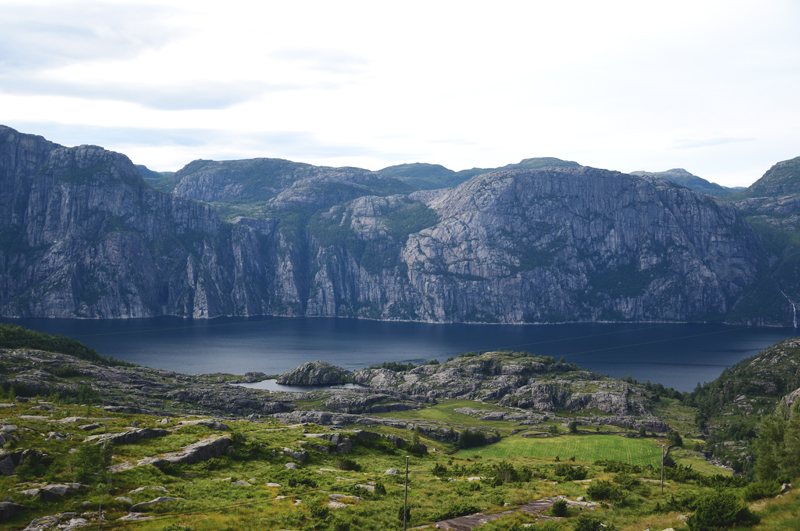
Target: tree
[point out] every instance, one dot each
(674, 438)
(573, 427)
(642, 431)
(719, 510)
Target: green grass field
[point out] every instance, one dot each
(585, 448)
(444, 412)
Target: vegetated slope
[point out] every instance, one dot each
(342, 474)
(435, 176)
(772, 206)
(731, 407)
(83, 235)
(262, 187)
(693, 182)
(160, 180)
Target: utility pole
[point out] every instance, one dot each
(405, 502)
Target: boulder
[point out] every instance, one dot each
(130, 436)
(8, 509)
(200, 451)
(316, 373)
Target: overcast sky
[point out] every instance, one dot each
(708, 86)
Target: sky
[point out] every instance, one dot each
(709, 86)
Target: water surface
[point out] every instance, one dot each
(676, 355)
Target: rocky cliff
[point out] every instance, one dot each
(83, 235)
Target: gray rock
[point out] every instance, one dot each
(146, 505)
(301, 455)
(124, 499)
(130, 436)
(291, 466)
(391, 472)
(8, 509)
(7, 466)
(202, 450)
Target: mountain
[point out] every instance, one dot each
(772, 207)
(82, 234)
(435, 176)
(160, 180)
(693, 182)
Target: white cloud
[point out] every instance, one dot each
(623, 85)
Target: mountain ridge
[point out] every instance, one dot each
(85, 235)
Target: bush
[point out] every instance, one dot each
(604, 490)
(571, 473)
(454, 510)
(90, 461)
(718, 481)
(720, 510)
(586, 522)
(505, 472)
(471, 438)
(761, 489)
(626, 481)
(559, 508)
(345, 463)
(609, 465)
(406, 515)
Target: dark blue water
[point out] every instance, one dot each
(676, 355)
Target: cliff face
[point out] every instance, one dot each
(82, 235)
(567, 244)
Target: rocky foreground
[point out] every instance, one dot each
(520, 387)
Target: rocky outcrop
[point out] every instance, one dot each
(315, 373)
(154, 391)
(202, 450)
(130, 436)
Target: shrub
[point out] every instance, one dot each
(505, 472)
(454, 510)
(345, 463)
(471, 438)
(318, 511)
(604, 490)
(761, 489)
(571, 473)
(91, 460)
(720, 510)
(626, 481)
(586, 522)
(559, 508)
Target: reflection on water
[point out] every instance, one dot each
(676, 355)
(272, 385)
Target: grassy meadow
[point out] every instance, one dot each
(584, 448)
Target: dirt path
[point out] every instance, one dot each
(467, 523)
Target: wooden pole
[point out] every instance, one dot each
(662, 469)
(405, 502)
